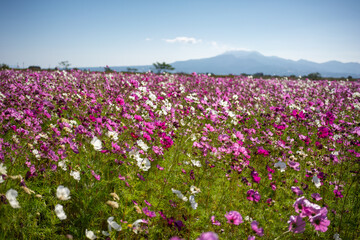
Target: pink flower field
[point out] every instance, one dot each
(89, 155)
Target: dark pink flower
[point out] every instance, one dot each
(296, 224)
(316, 196)
(255, 176)
(253, 195)
(255, 227)
(234, 217)
(214, 222)
(297, 191)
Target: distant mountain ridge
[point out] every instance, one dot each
(251, 62)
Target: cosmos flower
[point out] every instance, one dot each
(234, 217)
(11, 196)
(194, 204)
(281, 165)
(113, 225)
(96, 144)
(208, 236)
(296, 224)
(179, 194)
(59, 211)
(63, 193)
(75, 174)
(316, 181)
(257, 230)
(90, 234)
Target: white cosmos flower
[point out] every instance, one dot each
(316, 181)
(75, 175)
(142, 145)
(3, 169)
(90, 234)
(112, 135)
(196, 163)
(194, 204)
(179, 194)
(113, 224)
(136, 225)
(11, 195)
(144, 164)
(36, 153)
(59, 210)
(96, 144)
(281, 165)
(194, 190)
(62, 164)
(63, 193)
(1, 179)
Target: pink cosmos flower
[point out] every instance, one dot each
(294, 165)
(316, 196)
(214, 222)
(320, 222)
(255, 227)
(253, 195)
(234, 217)
(296, 224)
(297, 191)
(208, 236)
(255, 176)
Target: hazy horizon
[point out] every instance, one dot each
(124, 33)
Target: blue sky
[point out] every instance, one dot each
(139, 32)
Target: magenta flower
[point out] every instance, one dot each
(234, 217)
(255, 227)
(253, 195)
(208, 236)
(148, 213)
(255, 176)
(251, 238)
(215, 222)
(296, 224)
(294, 165)
(316, 196)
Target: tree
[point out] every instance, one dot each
(162, 66)
(107, 69)
(314, 76)
(64, 64)
(4, 66)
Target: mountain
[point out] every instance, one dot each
(251, 62)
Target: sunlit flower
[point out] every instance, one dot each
(136, 225)
(194, 190)
(3, 169)
(113, 225)
(234, 217)
(63, 193)
(90, 234)
(194, 204)
(112, 204)
(296, 224)
(179, 194)
(96, 144)
(142, 145)
(11, 196)
(208, 236)
(75, 175)
(196, 163)
(59, 210)
(144, 164)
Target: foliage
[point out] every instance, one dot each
(64, 64)
(162, 67)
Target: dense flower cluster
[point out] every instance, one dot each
(178, 156)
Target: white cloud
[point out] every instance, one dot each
(148, 39)
(183, 40)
